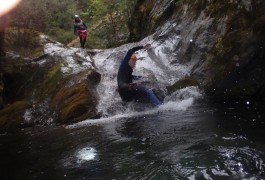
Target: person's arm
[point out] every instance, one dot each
(75, 32)
(84, 25)
(130, 52)
(123, 65)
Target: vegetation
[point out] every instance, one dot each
(106, 21)
(50, 81)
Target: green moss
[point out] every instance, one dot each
(50, 82)
(12, 115)
(182, 83)
(74, 102)
(37, 51)
(77, 104)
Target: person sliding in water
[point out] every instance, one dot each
(128, 89)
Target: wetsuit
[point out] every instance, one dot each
(127, 89)
(80, 26)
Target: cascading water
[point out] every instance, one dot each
(178, 140)
(158, 71)
(159, 66)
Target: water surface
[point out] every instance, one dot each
(201, 142)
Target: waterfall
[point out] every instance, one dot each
(159, 67)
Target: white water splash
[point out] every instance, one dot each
(86, 154)
(169, 106)
(176, 106)
(156, 61)
(159, 61)
(27, 115)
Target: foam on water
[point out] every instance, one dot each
(168, 106)
(158, 65)
(86, 154)
(155, 61)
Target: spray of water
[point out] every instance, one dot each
(155, 65)
(158, 65)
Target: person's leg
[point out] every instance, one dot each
(143, 94)
(152, 97)
(126, 95)
(84, 42)
(81, 41)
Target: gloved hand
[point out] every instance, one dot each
(147, 46)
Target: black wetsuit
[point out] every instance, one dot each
(127, 89)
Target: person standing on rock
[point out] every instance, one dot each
(128, 89)
(80, 29)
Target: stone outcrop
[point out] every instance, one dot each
(223, 41)
(51, 88)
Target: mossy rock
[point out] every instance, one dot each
(74, 102)
(12, 115)
(50, 82)
(182, 83)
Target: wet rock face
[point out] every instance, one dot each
(182, 83)
(56, 87)
(223, 42)
(74, 100)
(12, 115)
(147, 16)
(93, 77)
(236, 60)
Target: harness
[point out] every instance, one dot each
(82, 33)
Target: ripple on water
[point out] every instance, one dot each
(222, 160)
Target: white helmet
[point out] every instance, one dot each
(76, 16)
